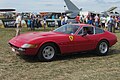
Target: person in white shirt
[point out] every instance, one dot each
(66, 19)
(103, 21)
(96, 20)
(18, 24)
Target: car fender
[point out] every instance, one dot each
(49, 41)
(103, 38)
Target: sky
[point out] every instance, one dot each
(57, 5)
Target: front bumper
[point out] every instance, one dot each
(28, 51)
(17, 49)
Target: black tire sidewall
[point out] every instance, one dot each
(98, 50)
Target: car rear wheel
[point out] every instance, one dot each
(47, 52)
(102, 48)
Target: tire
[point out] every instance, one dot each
(47, 52)
(102, 48)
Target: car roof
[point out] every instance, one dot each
(82, 25)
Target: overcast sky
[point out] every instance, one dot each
(57, 5)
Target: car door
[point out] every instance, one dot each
(83, 43)
(67, 42)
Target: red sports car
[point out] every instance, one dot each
(66, 39)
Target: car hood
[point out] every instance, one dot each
(27, 37)
(32, 35)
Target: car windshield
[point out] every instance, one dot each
(67, 29)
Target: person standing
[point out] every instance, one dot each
(44, 23)
(103, 21)
(110, 24)
(29, 23)
(90, 21)
(119, 23)
(63, 20)
(66, 19)
(113, 25)
(18, 24)
(96, 20)
(53, 17)
(77, 18)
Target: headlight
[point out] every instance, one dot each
(29, 46)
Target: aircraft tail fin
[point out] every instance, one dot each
(70, 5)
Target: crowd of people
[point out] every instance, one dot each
(110, 23)
(34, 21)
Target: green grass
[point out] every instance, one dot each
(84, 66)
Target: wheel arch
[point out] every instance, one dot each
(51, 42)
(106, 41)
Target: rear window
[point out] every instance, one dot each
(98, 31)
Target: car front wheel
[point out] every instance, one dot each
(102, 48)
(47, 52)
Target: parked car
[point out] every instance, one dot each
(66, 39)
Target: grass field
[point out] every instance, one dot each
(84, 66)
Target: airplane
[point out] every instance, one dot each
(110, 11)
(73, 10)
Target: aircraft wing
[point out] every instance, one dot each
(111, 9)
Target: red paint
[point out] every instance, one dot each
(66, 45)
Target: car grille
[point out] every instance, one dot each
(13, 46)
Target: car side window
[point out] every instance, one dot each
(87, 29)
(98, 30)
(75, 28)
(80, 32)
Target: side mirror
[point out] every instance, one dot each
(84, 34)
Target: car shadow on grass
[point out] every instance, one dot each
(85, 55)
(33, 59)
(114, 51)
(72, 56)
